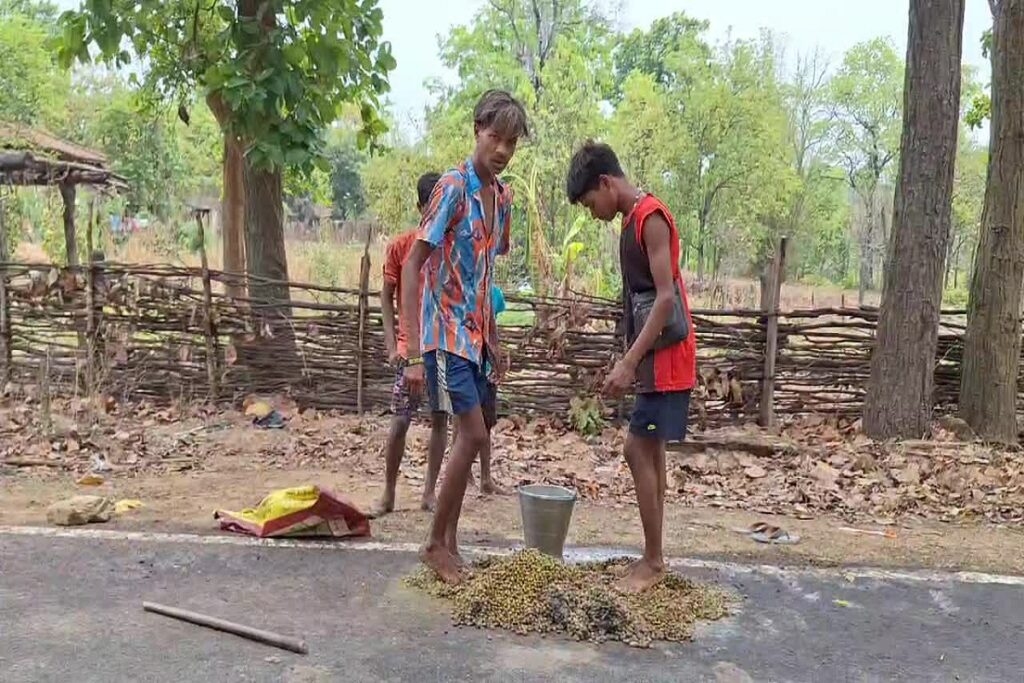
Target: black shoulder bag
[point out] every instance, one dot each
(676, 329)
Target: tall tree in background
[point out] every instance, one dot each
(899, 398)
(866, 96)
(275, 72)
(34, 90)
(988, 390)
(656, 51)
(42, 12)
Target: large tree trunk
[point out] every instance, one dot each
(232, 197)
(264, 234)
(899, 397)
(988, 389)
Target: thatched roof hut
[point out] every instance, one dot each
(29, 156)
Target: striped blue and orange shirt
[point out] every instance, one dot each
(456, 314)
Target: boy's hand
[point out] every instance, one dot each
(621, 378)
(415, 378)
(393, 357)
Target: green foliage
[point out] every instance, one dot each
(283, 71)
(980, 110)
(41, 12)
(867, 99)
(389, 182)
(655, 52)
(167, 164)
(956, 297)
(347, 191)
(34, 89)
(977, 99)
(710, 139)
(586, 415)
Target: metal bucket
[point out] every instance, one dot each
(546, 513)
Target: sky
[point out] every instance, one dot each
(833, 25)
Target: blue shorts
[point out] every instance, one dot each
(456, 386)
(661, 415)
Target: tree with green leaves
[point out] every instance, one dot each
(41, 12)
(992, 344)
(814, 212)
(899, 395)
(165, 163)
(34, 90)
(276, 74)
(736, 164)
(347, 193)
(866, 97)
(655, 51)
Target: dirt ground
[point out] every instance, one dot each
(186, 503)
(183, 467)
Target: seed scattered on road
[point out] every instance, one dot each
(529, 592)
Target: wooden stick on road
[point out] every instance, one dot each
(259, 635)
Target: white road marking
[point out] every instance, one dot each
(572, 554)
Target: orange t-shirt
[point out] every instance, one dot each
(397, 251)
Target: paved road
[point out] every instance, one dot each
(70, 610)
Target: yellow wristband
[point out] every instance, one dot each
(418, 360)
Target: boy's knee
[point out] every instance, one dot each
(475, 435)
(400, 424)
(639, 448)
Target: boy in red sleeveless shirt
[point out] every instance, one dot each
(660, 361)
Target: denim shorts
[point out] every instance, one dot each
(456, 386)
(661, 415)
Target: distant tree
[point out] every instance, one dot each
(865, 101)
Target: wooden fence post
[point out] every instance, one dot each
(5, 312)
(90, 305)
(364, 305)
(771, 345)
(208, 326)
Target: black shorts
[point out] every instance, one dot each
(661, 415)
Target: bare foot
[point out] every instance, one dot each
(642, 575)
(625, 569)
(439, 561)
(489, 488)
(453, 552)
(381, 508)
(429, 502)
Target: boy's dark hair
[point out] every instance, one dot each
(425, 185)
(501, 112)
(589, 163)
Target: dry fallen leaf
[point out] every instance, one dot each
(824, 474)
(755, 472)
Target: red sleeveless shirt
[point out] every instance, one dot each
(673, 368)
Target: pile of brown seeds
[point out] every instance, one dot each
(529, 592)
